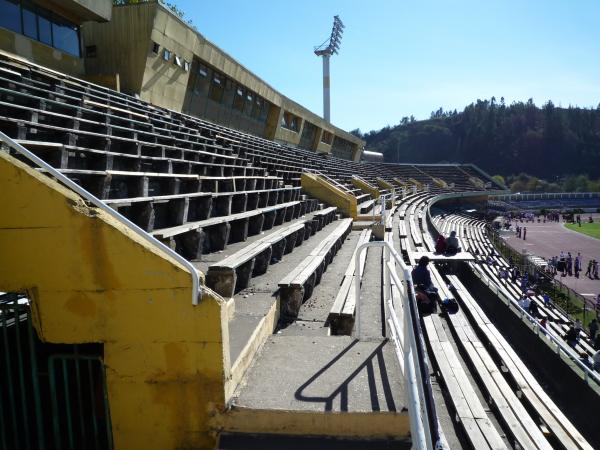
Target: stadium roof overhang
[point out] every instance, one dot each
(79, 11)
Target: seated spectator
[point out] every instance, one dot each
(421, 276)
(503, 274)
(425, 304)
(593, 329)
(546, 298)
(533, 309)
(452, 247)
(424, 290)
(524, 303)
(578, 325)
(572, 336)
(440, 245)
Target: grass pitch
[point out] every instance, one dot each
(591, 229)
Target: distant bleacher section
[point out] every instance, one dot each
(588, 201)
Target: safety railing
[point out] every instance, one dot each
(542, 332)
(423, 418)
(18, 148)
(328, 178)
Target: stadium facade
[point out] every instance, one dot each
(170, 64)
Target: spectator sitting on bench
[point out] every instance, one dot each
(424, 289)
(440, 244)
(572, 336)
(452, 247)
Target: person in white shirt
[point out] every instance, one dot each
(524, 303)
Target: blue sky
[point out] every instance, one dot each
(402, 57)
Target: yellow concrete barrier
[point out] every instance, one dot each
(366, 187)
(418, 184)
(399, 182)
(384, 184)
(439, 182)
(91, 279)
(320, 188)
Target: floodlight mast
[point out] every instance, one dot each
(326, 50)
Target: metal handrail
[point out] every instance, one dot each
(196, 288)
(560, 345)
(415, 369)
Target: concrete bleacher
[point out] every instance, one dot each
(530, 421)
(282, 261)
(488, 266)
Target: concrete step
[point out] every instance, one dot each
(321, 386)
(242, 441)
(254, 311)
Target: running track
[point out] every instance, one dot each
(549, 239)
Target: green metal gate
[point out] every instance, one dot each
(52, 396)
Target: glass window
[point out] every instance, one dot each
(65, 38)
(45, 29)
(257, 108)
(177, 61)
(10, 15)
(155, 48)
(202, 70)
(264, 112)
(166, 54)
(217, 87)
(238, 99)
(249, 102)
(29, 22)
(186, 65)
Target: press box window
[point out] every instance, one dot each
(155, 48)
(166, 54)
(177, 61)
(238, 100)
(202, 70)
(186, 65)
(217, 87)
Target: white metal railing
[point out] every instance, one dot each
(196, 288)
(419, 400)
(526, 317)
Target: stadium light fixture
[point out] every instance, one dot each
(328, 48)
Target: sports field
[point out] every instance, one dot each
(591, 229)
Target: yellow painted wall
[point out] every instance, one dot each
(321, 189)
(92, 280)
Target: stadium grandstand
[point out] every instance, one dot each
(179, 271)
(534, 202)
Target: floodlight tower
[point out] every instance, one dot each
(326, 50)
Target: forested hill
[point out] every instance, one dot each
(548, 142)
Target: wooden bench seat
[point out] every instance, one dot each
(233, 273)
(190, 239)
(366, 206)
(324, 216)
(341, 315)
(532, 392)
(298, 285)
(469, 410)
(512, 412)
(64, 156)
